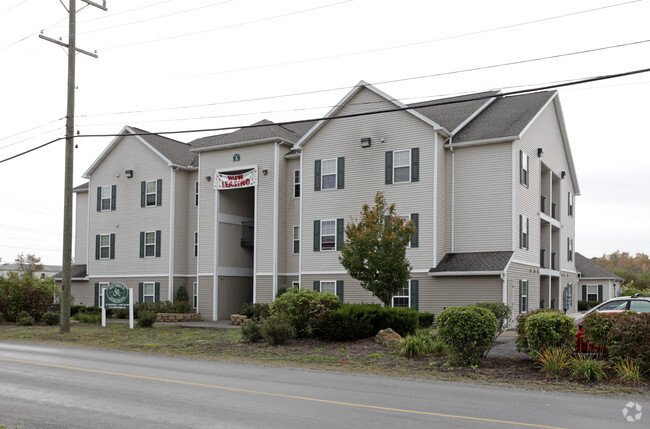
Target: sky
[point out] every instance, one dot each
(172, 65)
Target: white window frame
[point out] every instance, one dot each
(296, 239)
(323, 235)
(152, 294)
(407, 218)
(594, 293)
(196, 244)
(195, 294)
(525, 169)
(295, 283)
(196, 193)
(296, 183)
(148, 245)
(570, 249)
(406, 165)
(524, 296)
(327, 172)
(571, 202)
(525, 235)
(103, 246)
(106, 196)
(102, 286)
(400, 295)
(147, 193)
(328, 282)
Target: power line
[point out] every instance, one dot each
(12, 7)
(355, 115)
(28, 130)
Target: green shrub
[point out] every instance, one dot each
(23, 292)
(146, 318)
(122, 313)
(256, 312)
(282, 289)
(161, 307)
(425, 320)
(306, 309)
(277, 329)
(501, 311)
(628, 371)
(439, 347)
(251, 331)
(587, 368)
(417, 345)
(587, 305)
(91, 310)
(51, 319)
(522, 342)
(402, 320)
(467, 332)
(181, 294)
(597, 326)
(554, 361)
(351, 322)
(24, 319)
(549, 330)
(88, 318)
(74, 309)
(628, 338)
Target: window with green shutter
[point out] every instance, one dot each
(402, 166)
(151, 193)
(329, 174)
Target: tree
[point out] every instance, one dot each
(374, 251)
(29, 264)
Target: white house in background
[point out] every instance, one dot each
(47, 271)
(488, 180)
(595, 282)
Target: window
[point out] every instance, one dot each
(196, 244)
(571, 201)
(105, 246)
(100, 296)
(415, 237)
(614, 305)
(403, 297)
(195, 295)
(106, 198)
(328, 235)
(330, 286)
(295, 284)
(296, 183)
(592, 293)
(523, 168)
(151, 193)
(150, 244)
(523, 232)
(402, 166)
(296, 239)
(569, 244)
(196, 194)
(640, 306)
(148, 292)
(523, 296)
(328, 176)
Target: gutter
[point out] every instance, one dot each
(465, 273)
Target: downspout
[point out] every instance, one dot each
(172, 231)
(215, 276)
(198, 231)
(302, 189)
(453, 192)
(276, 208)
(435, 198)
(504, 284)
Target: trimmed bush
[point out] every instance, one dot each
(251, 331)
(549, 330)
(22, 292)
(146, 318)
(181, 294)
(51, 319)
(306, 310)
(467, 332)
(88, 318)
(522, 342)
(425, 320)
(277, 330)
(597, 326)
(628, 338)
(587, 305)
(402, 320)
(74, 309)
(90, 310)
(501, 311)
(24, 319)
(257, 312)
(161, 307)
(351, 322)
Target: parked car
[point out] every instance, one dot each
(637, 303)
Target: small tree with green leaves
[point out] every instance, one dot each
(374, 251)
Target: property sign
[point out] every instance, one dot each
(117, 296)
(234, 181)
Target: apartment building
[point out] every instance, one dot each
(488, 180)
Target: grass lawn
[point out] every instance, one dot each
(364, 356)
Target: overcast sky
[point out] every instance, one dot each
(168, 65)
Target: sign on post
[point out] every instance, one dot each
(117, 297)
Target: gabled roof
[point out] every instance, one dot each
(77, 272)
(473, 263)
(172, 152)
(262, 131)
(589, 269)
(81, 188)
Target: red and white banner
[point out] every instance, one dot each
(234, 181)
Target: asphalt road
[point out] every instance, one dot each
(46, 386)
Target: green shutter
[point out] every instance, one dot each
(340, 173)
(143, 193)
(339, 289)
(96, 294)
(389, 167)
(317, 285)
(317, 236)
(156, 297)
(600, 293)
(158, 242)
(339, 233)
(415, 294)
(521, 231)
(415, 217)
(112, 250)
(113, 196)
(521, 167)
(97, 246)
(140, 292)
(99, 198)
(159, 192)
(584, 292)
(415, 164)
(317, 166)
(142, 244)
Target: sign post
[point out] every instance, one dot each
(117, 296)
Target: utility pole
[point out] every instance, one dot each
(66, 280)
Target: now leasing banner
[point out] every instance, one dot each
(234, 181)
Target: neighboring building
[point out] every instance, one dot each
(595, 282)
(488, 180)
(47, 271)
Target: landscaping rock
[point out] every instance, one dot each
(237, 319)
(389, 338)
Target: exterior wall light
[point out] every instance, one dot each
(128, 174)
(365, 142)
(208, 178)
(540, 152)
(265, 172)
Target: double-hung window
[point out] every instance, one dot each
(328, 174)
(569, 249)
(106, 198)
(330, 286)
(100, 293)
(196, 194)
(151, 193)
(402, 166)
(150, 244)
(403, 297)
(523, 296)
(195, 295)
(296, 183)
(148, 292)
(196, 244)
(523, 232)
(592, 292)
(523, 168)
(328, 235)
(571, 201)
(296, 239)
(105, 246)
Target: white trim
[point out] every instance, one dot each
(279, 274)
(234, 219)
(435, 198)
(537, 115)
(276, 216)
(326, 273)
(215, 255)
(300, 222)
(198, 230)
(514, 222)
(453, 197)
(255, 243)
(293, 239)
(465, 273)
(172, 226)
(471, 117)
(487, 141)
(232, 168)
(242, 144)
(126, 276)
(526, 263)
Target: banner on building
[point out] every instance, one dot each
(234, 181)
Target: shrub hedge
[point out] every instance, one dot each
(501, 311)
(522, 341)
(629, 338)
(351, 322)
(23, 292)
(306, 309)
(547, 330)
(467, 332)
(587, 305)
(256, 312)
(597, 326)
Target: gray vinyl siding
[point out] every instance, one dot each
(448, 201)
(438, 293)
(190, 226)
(441, 170)
(482, 198)
(365, 175)
(518, 272)
(81, 229)
(291, 213)
(181, 221)
(83, 293)
(206, 297)
(264, 289)
(126, 222)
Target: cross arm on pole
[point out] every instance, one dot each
(58, 42)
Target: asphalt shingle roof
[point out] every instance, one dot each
(473, 261)
(590, 269)
(261, 130)
(177, 152)
(76, 272)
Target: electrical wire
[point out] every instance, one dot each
(28, 130)
(12, 8)
(352, 115)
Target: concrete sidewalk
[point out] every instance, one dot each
(506, 346)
